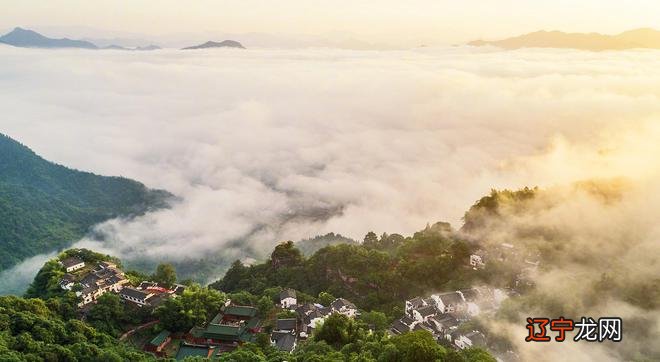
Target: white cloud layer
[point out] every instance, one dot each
(352, 141)
(267, 145)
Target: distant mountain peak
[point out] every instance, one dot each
(636, 38)
(148, 47)
(26, 38)
(213, 44)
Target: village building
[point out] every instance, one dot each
(477, 261)
(288, 325)
(283, 341)
(193, 350)
(137, 296)
(159, 342)
(424, 313)
(104, 278)
(345, 307)
(469, 340)
(449, 302)
(72, 264)
(403, 325)
(442, 314)
(178, 289)
(232, 326)
(67, 282)
(310, 315)
(288, 298)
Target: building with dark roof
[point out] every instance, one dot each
(232, 326)
(193, 350)
(179, 289)
(399, 327)
(106, 278)
(345, 307)
(286, 325)
(137, 296)
(160, 341)
(240, 311)
(424, 312)
(469, 340)
(449, 302)
(284, 341)
(72, 264)
(288, 298)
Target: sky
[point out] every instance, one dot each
(344, 23)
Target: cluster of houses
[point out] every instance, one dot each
(91, 283)
(442, 314)
(308, 316)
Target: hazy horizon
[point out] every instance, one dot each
(383, 25)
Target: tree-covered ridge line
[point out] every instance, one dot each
(377, 274)
(45, 206)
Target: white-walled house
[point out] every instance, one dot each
(472, 339)
(67, 281)
(288, 298)
(449, 302)
(105, 278)
(72, 264)
(477, 261)
(413, 304)
(136, 296)
(345, 307)
(422, 314)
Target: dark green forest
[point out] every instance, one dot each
(45, 206)
(378, 274)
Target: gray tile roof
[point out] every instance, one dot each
(399, 327)
(427, 310)
(71, 261)
(451, 298)
(286, 343)
(338, 303)
(287, 293)
(134, 293)
(288, 324)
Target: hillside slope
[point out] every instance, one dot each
(45, 206)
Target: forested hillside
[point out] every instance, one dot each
(378, 274)
(45, 206)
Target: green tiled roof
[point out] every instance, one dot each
(217, 319)
(190, 351)
(197, 332)
(220, 330)
(242, 311)
(253, 322)
(160, 338)
(247, 337)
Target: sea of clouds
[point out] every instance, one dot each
(265, 145)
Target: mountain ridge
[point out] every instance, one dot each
(26, 38)
(642, 38)
(45, 206)
(214, 44)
